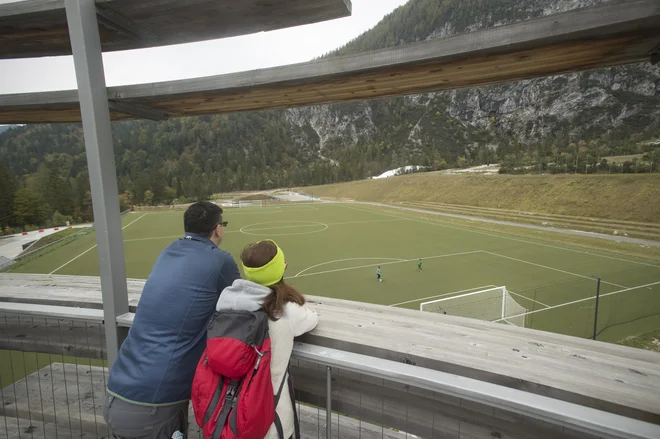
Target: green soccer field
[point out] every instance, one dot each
(333, 250)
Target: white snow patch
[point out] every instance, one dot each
(393, 172)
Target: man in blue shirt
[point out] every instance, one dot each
(150, 383)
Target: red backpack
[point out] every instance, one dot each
(232, 391)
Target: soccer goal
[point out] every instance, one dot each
(247, 203)
(491, 304)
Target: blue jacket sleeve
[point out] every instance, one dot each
(229, 273)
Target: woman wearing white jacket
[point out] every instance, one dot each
(264, 288)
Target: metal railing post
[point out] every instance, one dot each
(328, 402)
(596, 311)
(88, 61)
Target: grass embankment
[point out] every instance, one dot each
(632, 229)
(625, 205)
(554, 238)
(47, 245)
(15, 365)
(628, 197)
(649, 341)
(52, 238)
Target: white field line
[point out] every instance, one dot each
(442, 295)
(91, 248)
(285, 205)
(153, 238)
(310, 224)
(554, 269)
(256, 210)
(275, 209)
(440, 224)
(371, 211)
(495, 254)
(22, 255)
(231, 213)
(254, 230)
(134, 221)
(365, 222)
(525, 297)
(67, 263)
(386, 263)
(269, 228)
(168, 237)
(349, 259)
(317, 224)
(581, 300)
(294, 204)
(463, 295)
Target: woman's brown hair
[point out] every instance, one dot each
(258, 255)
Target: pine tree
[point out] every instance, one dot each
(7, 189)
(29, 208)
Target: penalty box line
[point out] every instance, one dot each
(485, 287)
(443, 295)
(92, 248)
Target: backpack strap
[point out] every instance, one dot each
(214, 402)
(230, 402)
(296, 423)
(278, 426)
(279, 391)
(278, 422)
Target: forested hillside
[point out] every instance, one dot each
(559, 124)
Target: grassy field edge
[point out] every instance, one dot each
(628, 197)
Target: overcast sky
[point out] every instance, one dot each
(200, 59)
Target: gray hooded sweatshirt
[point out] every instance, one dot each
(294, 321)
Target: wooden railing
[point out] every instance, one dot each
(392, 370)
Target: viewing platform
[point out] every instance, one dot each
(405, 371)
(366, 371)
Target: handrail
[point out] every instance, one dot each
(63, 312)
(554, 411)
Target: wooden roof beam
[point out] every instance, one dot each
(114, 20)
(137, 110)
(32, 28)
(611, 34)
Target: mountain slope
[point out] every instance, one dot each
(607, 106)
(576, 119)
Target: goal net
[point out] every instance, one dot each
(491, 304)
(247, 203)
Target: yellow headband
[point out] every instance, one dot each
(269, 274)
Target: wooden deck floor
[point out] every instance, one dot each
(66, 401)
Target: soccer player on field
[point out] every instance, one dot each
(378, 278)
(419, 265)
